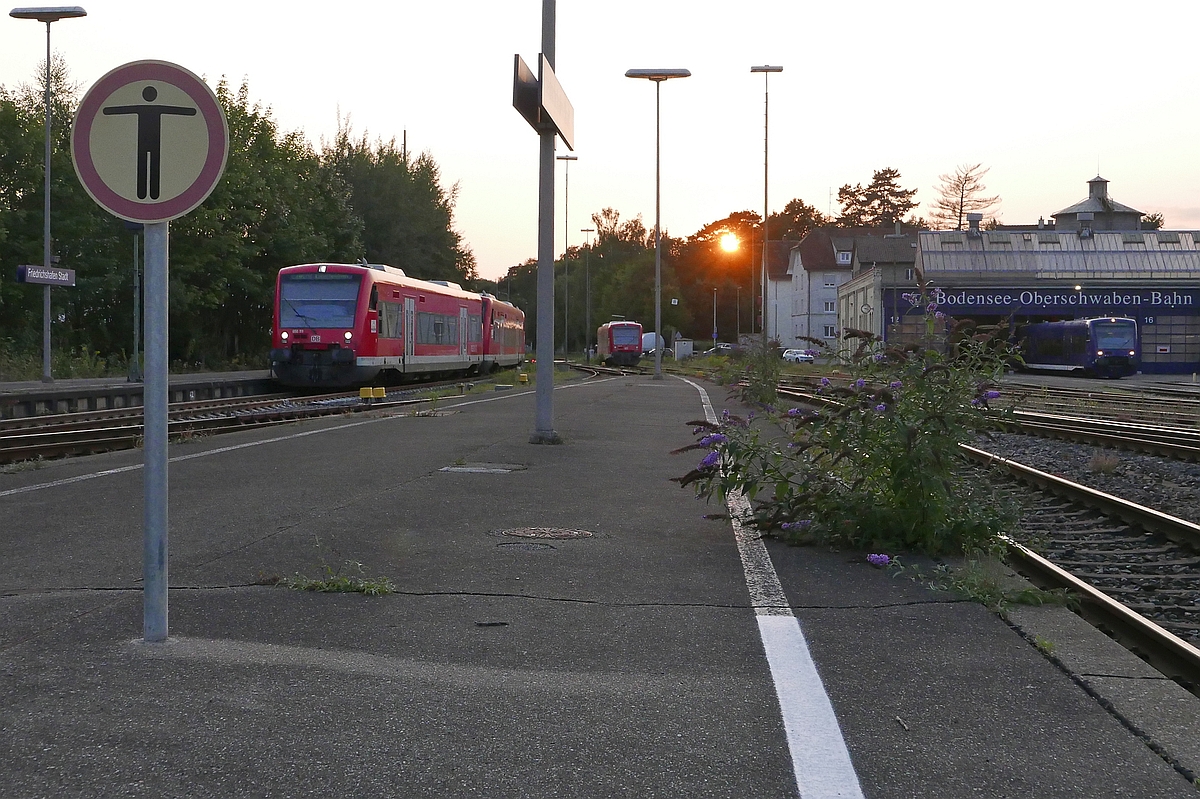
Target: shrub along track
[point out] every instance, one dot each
(1135, 570)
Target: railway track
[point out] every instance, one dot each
(89, 432)
(1134, 570)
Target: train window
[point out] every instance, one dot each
(389, 320)
(476, 329)
(318, 300)
(374, 303)
(437, 329)
(1115, 335)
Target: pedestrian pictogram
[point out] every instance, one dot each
(149, 141)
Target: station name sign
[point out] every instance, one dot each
(1008, 299)
(49, 276)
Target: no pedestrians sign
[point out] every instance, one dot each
(149, 141)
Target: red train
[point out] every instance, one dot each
(619, 343)
(352, 324)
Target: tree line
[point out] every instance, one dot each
(281, 201)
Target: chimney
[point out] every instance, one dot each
(1041, 223)
(973, 221)
(1085, 224)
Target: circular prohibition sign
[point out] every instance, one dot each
(149, 141)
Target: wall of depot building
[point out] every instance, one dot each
(1168, 314)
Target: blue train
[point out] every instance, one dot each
(1102, 347)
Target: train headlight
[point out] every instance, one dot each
(284, 335)
(1131, 352)
(1100, 352)
(349, 335)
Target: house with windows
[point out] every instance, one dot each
(827, 259)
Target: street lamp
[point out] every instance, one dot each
(587, 292)
(47, 15)
(566, 249)
(658, 76)
(766, 70)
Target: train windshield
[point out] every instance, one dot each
(626, 337)
(318, 300)
(1115, 335)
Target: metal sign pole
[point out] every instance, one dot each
(155, 393)
(544, 432)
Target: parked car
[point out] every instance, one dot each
(798, 356)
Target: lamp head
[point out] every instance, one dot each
(567, 157)
(48, 13)
(766, 68)
(658, 75)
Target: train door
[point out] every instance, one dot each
(462, 333)
(410, 329)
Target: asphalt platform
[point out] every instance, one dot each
(639, 660)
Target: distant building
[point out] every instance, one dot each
(1083, 267)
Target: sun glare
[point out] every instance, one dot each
(729, 242)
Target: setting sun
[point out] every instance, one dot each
(729, 242)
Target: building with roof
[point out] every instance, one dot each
(819, 265)
(1084, 267)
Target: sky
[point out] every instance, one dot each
(1044, 94)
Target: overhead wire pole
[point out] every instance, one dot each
(566, 248)
(766, 70)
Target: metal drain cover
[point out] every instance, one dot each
(545, 532)
(484, 468)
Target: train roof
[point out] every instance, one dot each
(444, 287)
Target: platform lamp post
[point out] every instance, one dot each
(766, 70)
(47, 15)
(658, 76)
(566, 250)
(587, 292)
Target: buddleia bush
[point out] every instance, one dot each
(879, 466)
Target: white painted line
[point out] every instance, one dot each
(820, 759)
(220, 450)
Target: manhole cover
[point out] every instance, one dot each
(484, 468)
(545, 532)
(525, 546)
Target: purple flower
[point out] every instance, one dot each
(879, 356)
(859, 383)
(713, 439)
(881, 408)
(794, 412)
(975, 401)
(803, 524)
(931, 307)
(878, 560)
(825, 382)
(710, 460)
(939, 315)
(895, 384)
(991, 395)
(725, 414)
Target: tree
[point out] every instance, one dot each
(959, 194)
(407, 216)
(795, 221)
(1153, 221)
(881, 204)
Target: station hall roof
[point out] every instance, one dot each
(1173, 254)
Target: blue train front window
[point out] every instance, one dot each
(626, 337)
(318, 300)
(1115, 336)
